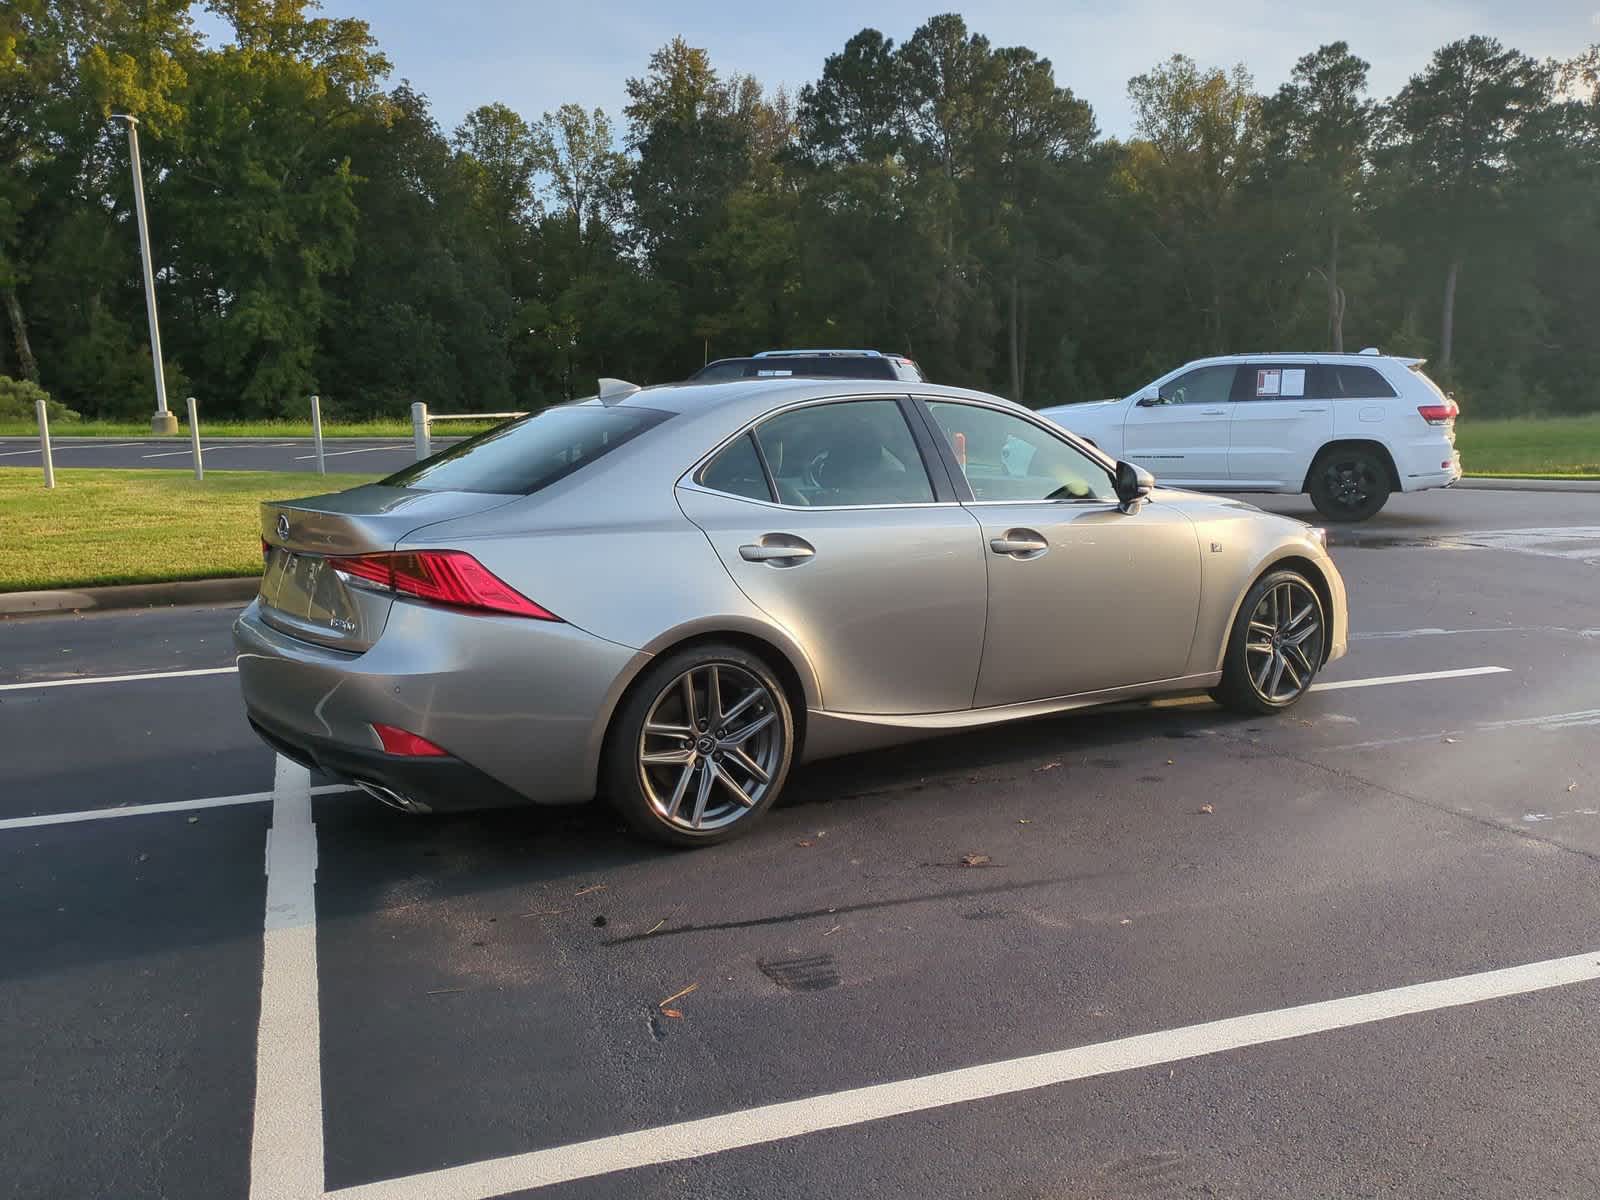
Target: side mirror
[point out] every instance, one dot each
(1133, 483)
(1150, 400)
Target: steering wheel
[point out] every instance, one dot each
(811, 473)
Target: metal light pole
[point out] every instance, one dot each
(163, 421)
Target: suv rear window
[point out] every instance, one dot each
(526, 455)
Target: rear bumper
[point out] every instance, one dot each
(520, 706)
(415, 784)
(1422, 464)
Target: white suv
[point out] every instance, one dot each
(1347, 428)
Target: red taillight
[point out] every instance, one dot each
(450, 577)
(1438, 414)
(266, 551)
(400, 741)
(374, 568)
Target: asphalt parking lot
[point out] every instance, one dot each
(361, 456)
(1143, 952)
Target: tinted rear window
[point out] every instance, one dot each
(528, 454)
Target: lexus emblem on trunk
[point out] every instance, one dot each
(283, 525)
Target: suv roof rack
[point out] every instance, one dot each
(819, 354)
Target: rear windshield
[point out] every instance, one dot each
(523, 456)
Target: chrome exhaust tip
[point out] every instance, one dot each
(392, 798)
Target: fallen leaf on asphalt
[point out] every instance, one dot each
(1450, 741)
(1125, 921)
(807, 843)
(1207, 809)
(676, 996)
(974, 860)
(1169, 762)
(1572, 787)
(1024, 820)
(1049, 766)
(194, 820)
(673, 1013)
(593, 887)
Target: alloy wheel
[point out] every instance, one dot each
(1283, 645)
(711, 744)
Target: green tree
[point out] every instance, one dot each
(1320, 128)
(1452, 133)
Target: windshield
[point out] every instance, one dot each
(519, 458)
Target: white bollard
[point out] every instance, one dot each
(44, 443)
(419, 429)
(194, 439)
(316, 434)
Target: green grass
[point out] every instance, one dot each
(222, 429)
(1556, 447)
(106, 527)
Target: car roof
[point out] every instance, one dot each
(748, 398)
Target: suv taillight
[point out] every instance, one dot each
(1439, 414)
(450, 577)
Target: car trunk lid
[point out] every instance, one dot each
(305, 595)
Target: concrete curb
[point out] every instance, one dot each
(134, 595)
(1530, 485)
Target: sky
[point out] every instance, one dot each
(535, 55)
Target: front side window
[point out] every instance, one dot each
(1005, 457)
(844, 453)
(1203, 385)
(519, 458)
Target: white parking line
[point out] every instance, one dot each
(145, 810)
(1422, 677)
(286, 1142)
(857, 1106)
(87, 679)
(1551, 723)
(337, 453)
(185, 450)
(57, 446)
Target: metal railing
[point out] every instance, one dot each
(422, 422)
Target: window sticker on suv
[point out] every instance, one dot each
(1273, 382)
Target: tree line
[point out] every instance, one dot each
(315, 230)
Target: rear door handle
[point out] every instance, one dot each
(1019, 543)
(779, 549)
(1313, 410)
(1212, 412)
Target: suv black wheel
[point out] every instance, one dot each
(701, 748)
(1349, 485)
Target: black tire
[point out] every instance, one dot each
(1242, 688)
(1349, 485)
(657, 801)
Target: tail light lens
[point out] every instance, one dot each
(1439, 414)
(266, 551)
(450, 577)
(402, 741)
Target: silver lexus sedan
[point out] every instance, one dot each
(670, 596)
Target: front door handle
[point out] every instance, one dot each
(1019, 543)
(1213, 412)
(779, 550)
